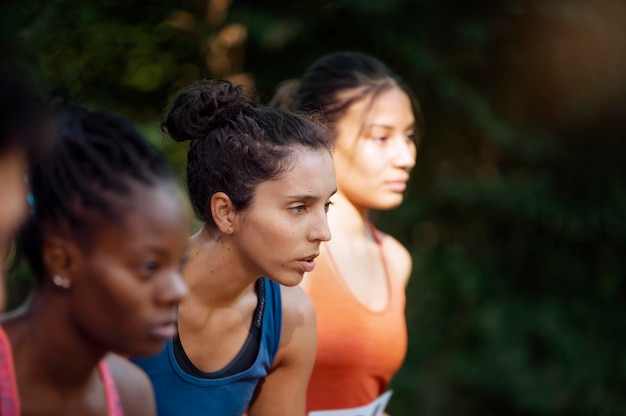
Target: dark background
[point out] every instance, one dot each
(515, 215)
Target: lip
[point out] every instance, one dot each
(165, 330)
(397, 186)
(308, 263)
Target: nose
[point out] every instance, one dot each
(404, 153)
(174, 290)
(321, 230)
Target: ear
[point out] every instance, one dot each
(58, 255)
(223, 212)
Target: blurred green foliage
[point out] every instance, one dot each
(516, 212)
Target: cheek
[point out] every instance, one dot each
(273, 236)
(13, 209)
(413, 150)
(361, 169)
(118, 293)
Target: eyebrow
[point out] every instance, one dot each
(412, 126)
(309, 197)
(150, 250)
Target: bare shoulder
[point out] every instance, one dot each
(133, 386)
(297, 307)
(397, 258)
(298, 338)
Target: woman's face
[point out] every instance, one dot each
(375, 150)
(279, 235)
(13, 191)
(126, 288)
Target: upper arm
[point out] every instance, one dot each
(283, 391)
(133, 386)
(398, 259)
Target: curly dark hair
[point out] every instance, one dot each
(235, 143)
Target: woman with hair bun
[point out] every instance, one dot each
(260, 181)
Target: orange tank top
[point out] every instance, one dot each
(358, 349)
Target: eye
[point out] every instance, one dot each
(413, 136)
(327, 206)
(182, 263)
(148, 268)
(298, 210)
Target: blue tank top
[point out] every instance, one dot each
(179, 393)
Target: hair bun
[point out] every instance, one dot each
(203, 106)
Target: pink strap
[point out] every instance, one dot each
(9, 398)
(113, 399)
(375, 233)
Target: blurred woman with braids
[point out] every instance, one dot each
(358, 285)
(260, 181)
(106, 240)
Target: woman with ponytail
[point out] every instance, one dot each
(358, 286)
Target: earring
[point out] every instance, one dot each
(61, 282)
(229, 229)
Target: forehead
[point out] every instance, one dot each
(311, 173)
(144, 210)
(390, 107)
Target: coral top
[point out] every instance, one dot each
(358, 349)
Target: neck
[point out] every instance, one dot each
(215, 273)
(217, 281)
(46, 345)
(347, 218)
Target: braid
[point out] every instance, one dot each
(90, 169)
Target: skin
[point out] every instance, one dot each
(375, 150)
(285, 224)
(125, 286)
(13, 191)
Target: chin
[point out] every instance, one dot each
(292, 280)
(388, 206)
(386, 201)
(144, 350)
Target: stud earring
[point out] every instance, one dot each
(229, 229)
(61, 281)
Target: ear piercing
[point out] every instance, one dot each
(62, 282)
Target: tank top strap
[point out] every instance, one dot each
(110, 390)
(9, 397)
(397, 290)
(375, 233)
(273, 319)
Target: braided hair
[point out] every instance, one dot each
(92, 166)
